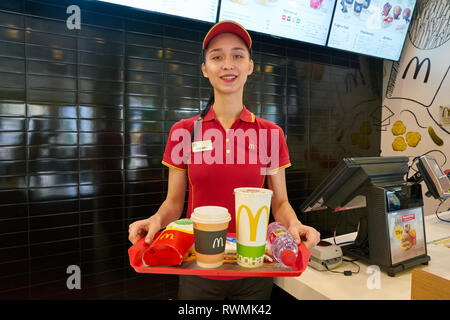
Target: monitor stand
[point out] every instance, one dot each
(391, 234)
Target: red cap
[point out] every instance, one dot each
(288, 257)
(227, 26)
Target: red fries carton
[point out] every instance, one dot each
(171, 246)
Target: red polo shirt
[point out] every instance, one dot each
(229, 159)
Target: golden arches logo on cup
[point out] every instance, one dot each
(252, 219)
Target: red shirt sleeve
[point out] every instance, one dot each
(177, 147)
(279, 152)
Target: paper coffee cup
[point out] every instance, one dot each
(252, 219)
(210, 234)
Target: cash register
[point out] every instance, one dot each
(391, 232)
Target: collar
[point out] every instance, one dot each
(245, 115)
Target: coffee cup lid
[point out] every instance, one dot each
(210, 214)
(251, 191)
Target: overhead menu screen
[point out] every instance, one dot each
(204, 10)
(372, 27)
(303, 20)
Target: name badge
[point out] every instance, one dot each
(199, 146)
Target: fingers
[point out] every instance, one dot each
(137, 230)
(296, 237)
(133, 233)
(308, 235)
(309, 243)
(295, 232)
(152, 229)
(143, 228)
(132, 238)
(312, 238)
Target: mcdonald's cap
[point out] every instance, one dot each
(227, 26)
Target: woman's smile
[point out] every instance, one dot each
(228, 78)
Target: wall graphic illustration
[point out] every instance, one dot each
(417, 91)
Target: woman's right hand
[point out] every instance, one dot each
(144, 228)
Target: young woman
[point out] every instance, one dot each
(227, 64)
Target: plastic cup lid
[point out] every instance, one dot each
(252, 192)
(210, 214)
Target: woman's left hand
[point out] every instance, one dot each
(308, 235)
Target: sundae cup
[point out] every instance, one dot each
(397, 12)
(406, 14)
(386, 8)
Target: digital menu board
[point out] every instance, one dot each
(303, 20)
(204, 10)
(372, 27)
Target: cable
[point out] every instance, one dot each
(341, 243)
(417, 157)
(434, 150)
(346, 272)
(436, 212)
(334, 232)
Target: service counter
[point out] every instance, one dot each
(430, 281)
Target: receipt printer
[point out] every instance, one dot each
(325, 256)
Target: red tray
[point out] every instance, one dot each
(228, 269)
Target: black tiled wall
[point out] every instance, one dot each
(84, 116)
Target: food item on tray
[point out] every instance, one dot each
(210, 232)
(413, 138)
(230, 246)
(398, 128)
(283, 246)
(171, 246)
(252, 218)
(399, 144)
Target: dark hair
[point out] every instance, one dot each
(203, 113)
